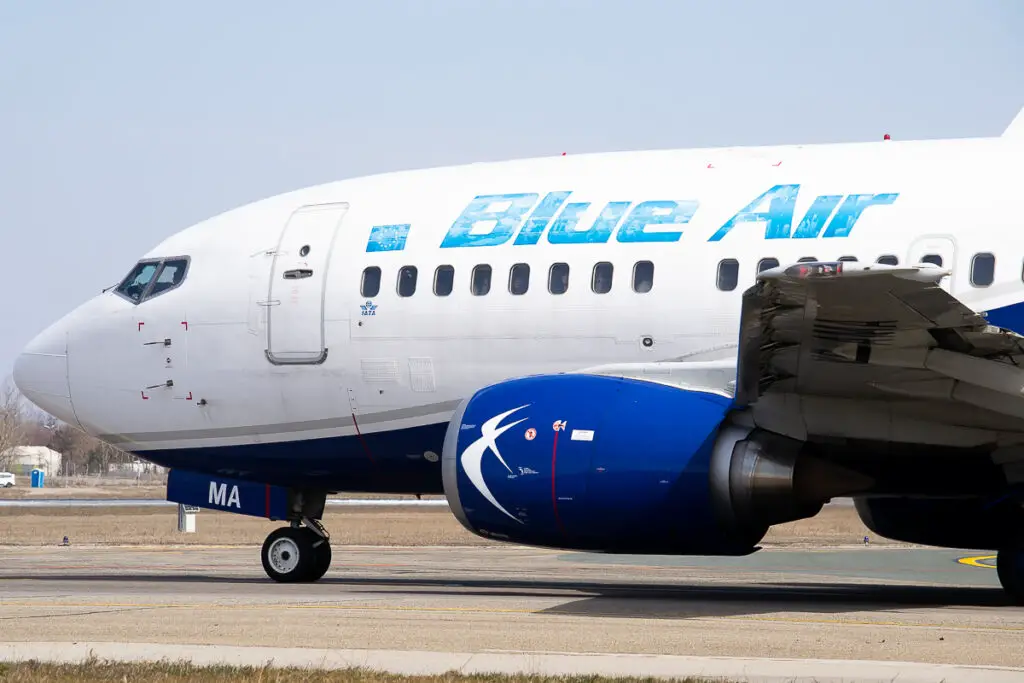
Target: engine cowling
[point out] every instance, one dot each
(614, 464)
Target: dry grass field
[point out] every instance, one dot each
(95, 488)
(348, 526)
(101, 672)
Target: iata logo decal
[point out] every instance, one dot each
(369, 308)
(472, 458)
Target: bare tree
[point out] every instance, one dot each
(12, 422)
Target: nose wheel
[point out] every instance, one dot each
(296, 555)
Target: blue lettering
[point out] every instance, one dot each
(542, 215)
(634, 228)
(564, 229)
(779, 216)
(492, 220)
(388, 237)
(814, 219)
(842, 223)
(489, 220)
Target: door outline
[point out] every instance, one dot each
(343, 207)
(944, 245)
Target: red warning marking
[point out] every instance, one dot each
(140, 325)
(362, 441)
(777, 165)
(189, 397)
(554, 497)
(144, 397)
(185, 323)
(711, 166)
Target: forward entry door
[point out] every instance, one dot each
(937, 249)
(295, 311)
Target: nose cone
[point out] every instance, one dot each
(41, 373)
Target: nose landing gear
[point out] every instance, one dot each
(297, 554)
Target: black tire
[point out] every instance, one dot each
(288, 555)
(321, 555)
(1010, 568)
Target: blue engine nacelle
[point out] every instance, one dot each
(609, 464)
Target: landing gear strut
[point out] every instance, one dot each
(1010, 568)
(297, 554)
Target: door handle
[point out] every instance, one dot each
(298, 273)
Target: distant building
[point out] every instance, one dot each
(135, 467)
(24, 459)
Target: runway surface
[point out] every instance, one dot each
(893, 604)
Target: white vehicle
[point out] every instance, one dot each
(6, 480)
(647, 352)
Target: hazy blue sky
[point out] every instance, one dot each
(124, 122)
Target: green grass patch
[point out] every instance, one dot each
(97, 671)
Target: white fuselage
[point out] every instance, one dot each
(269, 344)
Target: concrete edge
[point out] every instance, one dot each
(413, 662)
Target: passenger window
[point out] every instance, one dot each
(558, 278)
(767, 264)
(370, 286)
(519, 279)
(481, 283)
(888, 260)
(728, 274)
(135, 285)
(934, 259)
(983, 270)
(643, 277)
(407, 281)
(601, 283)
(851, 259)
(807, 259)
(444, 280)
(171, 274)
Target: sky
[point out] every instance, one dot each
(122, 123)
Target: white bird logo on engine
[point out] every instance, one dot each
(473, 456)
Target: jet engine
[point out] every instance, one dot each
(612, 464)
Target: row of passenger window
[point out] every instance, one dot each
(518, 279)
(729, 269)
(983, 268)
(982, 275)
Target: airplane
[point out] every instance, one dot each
(651, 352)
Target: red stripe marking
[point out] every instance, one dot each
(185, 323)
(140, 326)
(554, 499)
(268, 502)
(144, 397)
(366, 449)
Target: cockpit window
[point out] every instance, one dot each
(150, 278)
(135, 285)
(171, 274)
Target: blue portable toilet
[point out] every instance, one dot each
(38, 476)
